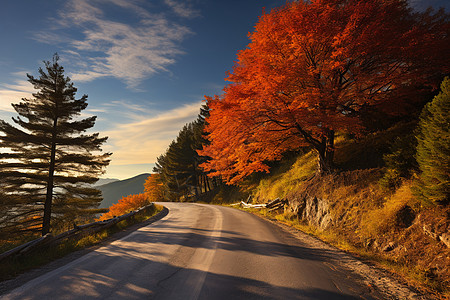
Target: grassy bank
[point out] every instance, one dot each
(9, 268)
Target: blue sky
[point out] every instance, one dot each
(145, 64)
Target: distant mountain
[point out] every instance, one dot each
(112, 192)
(103, 181)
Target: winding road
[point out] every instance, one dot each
(200, 251)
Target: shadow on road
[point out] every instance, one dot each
(137, 268)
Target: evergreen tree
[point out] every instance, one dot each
(48, 160)
(201, 140)
(433, 149)
(179, 167)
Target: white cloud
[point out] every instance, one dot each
(50, 38)
(86, 76)
(142, 141)
(182, 9)
(130, 52)
(126, 106)
(129, 4)
(13, 93)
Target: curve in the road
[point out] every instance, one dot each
(202, 251)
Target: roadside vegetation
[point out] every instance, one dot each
(153, 192)
(17, 264)
(10, 268)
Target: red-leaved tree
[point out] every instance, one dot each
(310, 69)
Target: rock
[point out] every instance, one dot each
(445, 238)
(317, 212)
(296, 206)
(326, 220)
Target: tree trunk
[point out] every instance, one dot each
(324, 148)
(200, 183)
(325, 162)
(208, 186)
(204, 180)
(49, 195)
(203, 184)
(196, 181)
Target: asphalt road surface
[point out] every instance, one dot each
(201, 251)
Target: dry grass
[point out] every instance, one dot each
(385, 218)
(281, 182)
(16, 240)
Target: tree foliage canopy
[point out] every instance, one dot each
(312, 68)
(153, 188)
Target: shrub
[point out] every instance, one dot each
(126, 205)
(399, 162)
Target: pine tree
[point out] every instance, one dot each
(433, 149)
(179, 167)
(48, 160)
(201, 140)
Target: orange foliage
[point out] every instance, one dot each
(153, 192)
(154, 188)
(30, 224)
(125, 205)
(309, 70)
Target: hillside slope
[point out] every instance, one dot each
(114, 191)
(103, 181)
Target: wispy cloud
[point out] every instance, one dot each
(133, 51)
(130, 107)
(13, 93)
(182, 8)
(142, 141)
(124, 110)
